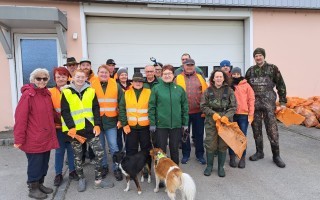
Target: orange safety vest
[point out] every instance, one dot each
(56, 100)
(108, 101)
(180, 80)
(137, 112)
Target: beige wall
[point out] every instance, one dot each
(73, 14)
(291, 40)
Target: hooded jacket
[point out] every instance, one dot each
(34, 125)
(245, 98)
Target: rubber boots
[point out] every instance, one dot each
(276, 156)
(232, 162)
(259, 154)
(242, 162)
(221, 161)
(35, 192)
(208, 170)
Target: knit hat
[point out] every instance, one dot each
(137, 76)
(259, 51)
(122, 70)
(225, 63)
(236, 70)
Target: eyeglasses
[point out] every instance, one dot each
(167, 74)
(44, 79)
(149, 71)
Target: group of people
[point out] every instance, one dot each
(156, 110)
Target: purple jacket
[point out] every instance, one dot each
(34, 121)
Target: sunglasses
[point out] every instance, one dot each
(44, 79)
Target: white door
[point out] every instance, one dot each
(35, 51)
(132, 41)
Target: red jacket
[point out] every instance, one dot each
(34, 122)
(245, 98)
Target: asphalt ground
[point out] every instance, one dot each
(300, 179)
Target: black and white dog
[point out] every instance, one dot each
(130, 166)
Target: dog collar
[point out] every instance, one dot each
(160, 155)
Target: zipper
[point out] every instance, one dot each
(170, 103)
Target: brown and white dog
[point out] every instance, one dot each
(165, 169)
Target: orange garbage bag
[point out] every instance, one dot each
(289, 117)
(311, 119)
(233, 136)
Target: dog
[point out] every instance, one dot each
(167, 170)
(130, 166)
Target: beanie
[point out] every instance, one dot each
(236, 70)
(225, 63)
(259, 51)
(122, 70)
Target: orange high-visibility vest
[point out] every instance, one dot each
(181, 81)
(137, 112)
(56, 101)
(108, 101)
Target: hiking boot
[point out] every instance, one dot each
(73, 175)
(232, 162)
(242, 162)
(102, 184)
(57, 180)
(118, 175)
(104, 172)
(184, 160)
(43, 188)
(81, 185)
(201, 160)
(35, 192)
(208, 170)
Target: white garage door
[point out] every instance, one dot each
(132, 41)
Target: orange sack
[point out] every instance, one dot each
(232, 136)
(290, 117)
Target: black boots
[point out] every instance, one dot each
(232, 162)
(208, 170)
(35, 192)
(242, 162)
(276, 157)
(259, 154)
(221, 161)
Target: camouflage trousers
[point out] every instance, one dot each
(95, 144)
(213, 142)
(264, 110)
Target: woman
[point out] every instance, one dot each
(80, 115)
(60, 76)
(168, 113)
(245, 109)
(34, 131)
(125, 84)
(217, 103)
(108, 92)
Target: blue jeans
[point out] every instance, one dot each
(111, 135)
(59, 155)
(243, 123)
(198, 131)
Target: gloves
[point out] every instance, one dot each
(96, 130)
(152, 128)
(184, 128)
(216, 116)
(224, 119)
(72, 132)
(250, 119)
(126, 129)
(119, 125)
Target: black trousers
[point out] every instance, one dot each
(138, 137)
(174, 136)
(38, 164)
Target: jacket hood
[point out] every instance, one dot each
(244, 81)
(85, 86)
(32, 90)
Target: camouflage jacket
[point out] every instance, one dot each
(274, 74)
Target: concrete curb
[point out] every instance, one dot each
(60, 191)
(6, 142)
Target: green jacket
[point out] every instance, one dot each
(155, 82)
(123, 109)
(168, 106)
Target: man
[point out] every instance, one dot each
(158, 67)
(263, 77)
(194, 85)
(71, 65)
(151, 80)
(85, 65)
(225, 66)
(109, 93)
(184, 57)
(111, 67)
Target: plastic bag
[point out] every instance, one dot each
(290, 117)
